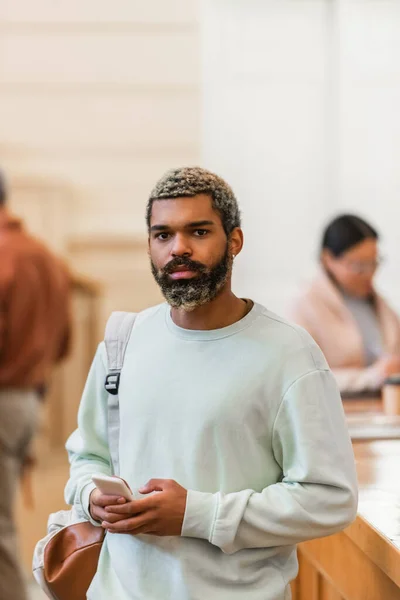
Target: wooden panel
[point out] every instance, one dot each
(75, 370)
(62, 401)
(92, 172)
(308, 581)
(113, 122)
(89, 11)
(328, 592)
(45, 206)
(365, 406)
(121, 265)
(106, 193)
(120, 58)
(355, 576)
(295, 589)
(110, 194)
(375, 546)
(378, 503)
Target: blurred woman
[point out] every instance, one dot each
(354, 326)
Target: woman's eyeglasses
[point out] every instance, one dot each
(363, 267)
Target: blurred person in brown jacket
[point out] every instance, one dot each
(34, 336)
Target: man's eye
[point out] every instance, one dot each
(201, 232)
(163, 236)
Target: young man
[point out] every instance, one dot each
(227, 411)
(34, 335)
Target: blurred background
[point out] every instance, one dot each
(294, 102)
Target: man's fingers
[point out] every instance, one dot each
(111, 517)
(99, 501)
(130, 525)
(103, 500)
(135, 507)
(99, 514)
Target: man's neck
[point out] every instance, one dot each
(221, 312)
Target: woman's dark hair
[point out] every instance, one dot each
(346, 231)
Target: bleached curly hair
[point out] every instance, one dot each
(190, 181)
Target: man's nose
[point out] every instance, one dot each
(181, 247)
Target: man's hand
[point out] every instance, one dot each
(98, 503)
(160, 514)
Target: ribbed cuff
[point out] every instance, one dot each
(84, 501)
(200, 514)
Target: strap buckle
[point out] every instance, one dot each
(111, 383)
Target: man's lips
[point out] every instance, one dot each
(182, 273)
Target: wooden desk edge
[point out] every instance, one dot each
(332, 567)
(376, 546)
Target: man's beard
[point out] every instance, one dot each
(197, 291)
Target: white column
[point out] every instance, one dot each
(265, 130)
(301, 115)
(369, 173)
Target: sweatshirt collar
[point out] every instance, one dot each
(212, 334)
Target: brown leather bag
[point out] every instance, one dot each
(65, 561)
(70, 560)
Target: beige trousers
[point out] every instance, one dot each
(19, 410)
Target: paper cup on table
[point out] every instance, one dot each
(391, 395)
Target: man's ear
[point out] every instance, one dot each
(236, 241)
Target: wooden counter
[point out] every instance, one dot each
(365, 406)
(363, 562)
(366, 420)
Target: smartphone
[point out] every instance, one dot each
(112, 486)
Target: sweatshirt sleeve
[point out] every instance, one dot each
(317, 494)
(88, 446)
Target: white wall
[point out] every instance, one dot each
(265, 130)
(301, 115)
(369, 153)
(102, 96)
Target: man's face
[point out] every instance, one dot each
(189, 251)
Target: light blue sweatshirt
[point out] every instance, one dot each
(249, 420)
